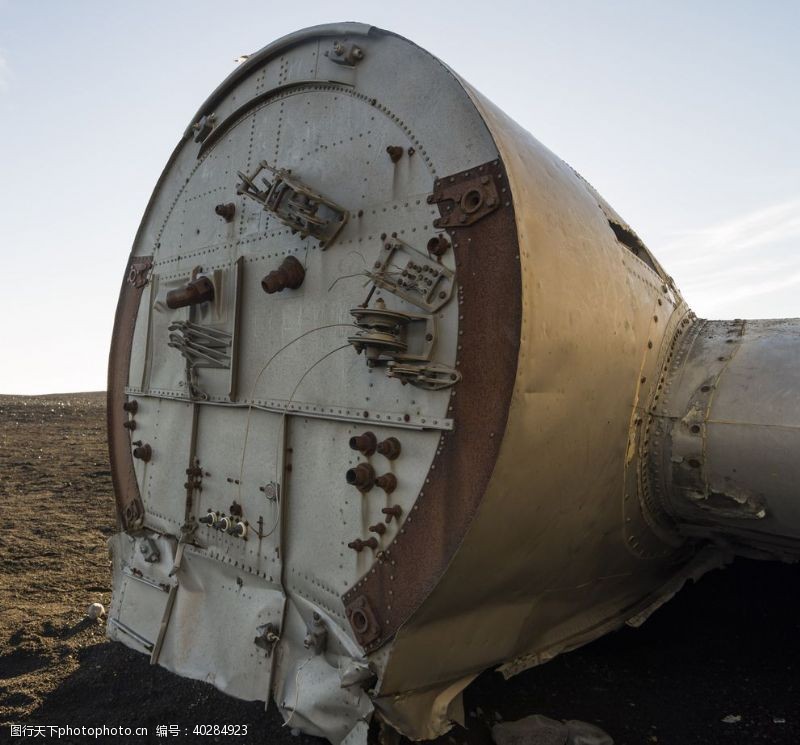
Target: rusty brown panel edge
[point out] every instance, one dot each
(126, 489)
(489, 279)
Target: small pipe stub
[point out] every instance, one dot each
(387, 482)
(362, 476)
(143, 452)
(289, 274)
(438, 245)
(365, 443)
(226, 211)
(208, 519)
(358, 545)
(392, 512)
(199, 290)
(395, 152)
(389, 448)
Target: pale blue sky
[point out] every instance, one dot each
(684, 115)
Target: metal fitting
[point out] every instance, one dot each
(365, 443)
(130, 424)
(131, 406)
(395, 152)
(389, 448)
(289, 274)
(358, 545)
(362, 476)
(392, 513)
(387, 482)
(226, 211)
(238, 529)
(200, 290)
(378, 528)
(438, 245)
(143, 452)
(209, 519)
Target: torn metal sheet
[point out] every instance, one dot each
(395, 397)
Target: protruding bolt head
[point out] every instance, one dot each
(379, 528)
(208, 519)
(389, 448)
(226, 211)
(131, 406)
(395, 152)
(365, 443)
(358, 545)
(387, 482)
(362, 477)
(130, 424)
(143, 452)
(392, 512)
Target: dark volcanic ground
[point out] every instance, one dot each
(728, 646)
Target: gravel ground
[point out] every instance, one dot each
(727, 648)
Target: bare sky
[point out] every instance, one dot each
(684, 115)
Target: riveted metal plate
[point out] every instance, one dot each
(488, 275)
(466, 197)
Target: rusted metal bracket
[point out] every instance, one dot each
(466, 197)
(203, 126)
(126, 488)
(363, 620)
(294, 204)
(344, 53)
(412, 276)
(432, 377)
(268, 636)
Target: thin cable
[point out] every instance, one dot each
(255, 384)
(289, 402)
(296, 691)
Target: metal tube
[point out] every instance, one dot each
(726, 465)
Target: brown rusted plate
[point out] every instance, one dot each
(126, 489)
(489, 295)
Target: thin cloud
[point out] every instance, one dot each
(5, 73)
(753, 255)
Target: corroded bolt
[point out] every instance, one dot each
(130, 424)
(389, 448)
(387, 482)
(395, 152)
(392, 512)
(365, 443)
(208, 519)
(378, 528)
(289, 274)
(226, 211)
(438, 245)
(199, 290)
(143, 452)
(131, 406)
(362, 476)
(359, 545)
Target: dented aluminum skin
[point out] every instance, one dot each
(396, 397)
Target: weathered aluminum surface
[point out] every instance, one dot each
(729, 427)
(539, 497)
